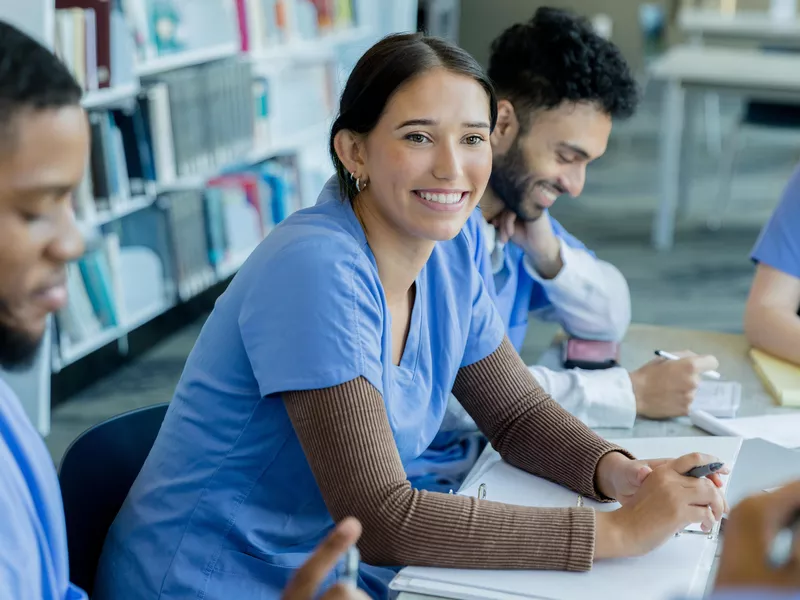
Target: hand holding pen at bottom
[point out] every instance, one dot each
(666, 502)
(761, 545)
(306, 582)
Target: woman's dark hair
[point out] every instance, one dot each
(383, 69)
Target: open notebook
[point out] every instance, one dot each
(680, 567)
(780, 428)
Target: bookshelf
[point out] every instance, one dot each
(323, 47)
(114, 97)
(189, 58)
(230, 192)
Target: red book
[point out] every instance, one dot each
(241, 13)
(102, 11)
(249, 182)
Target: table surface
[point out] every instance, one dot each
(729, 67)
(749, 24)
(638, 347)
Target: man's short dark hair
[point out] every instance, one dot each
(557, 57)
(31, 77)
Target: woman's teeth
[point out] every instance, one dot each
(441, 198)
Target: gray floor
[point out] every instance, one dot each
(701, 284)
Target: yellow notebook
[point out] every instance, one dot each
(781, 378)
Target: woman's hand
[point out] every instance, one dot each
(619, 477)
(663, 504)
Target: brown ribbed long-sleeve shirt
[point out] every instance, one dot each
(347, 439)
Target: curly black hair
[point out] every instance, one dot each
(31, 76)
(557, 57)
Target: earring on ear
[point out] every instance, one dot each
(359, 185)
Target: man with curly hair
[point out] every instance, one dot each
(560, 86)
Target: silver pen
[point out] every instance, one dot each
(351, 562)
(780, 551)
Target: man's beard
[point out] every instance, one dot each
(17, 348)
(511, 182)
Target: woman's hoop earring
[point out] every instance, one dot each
(359, 186)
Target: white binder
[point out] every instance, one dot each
(680, 567)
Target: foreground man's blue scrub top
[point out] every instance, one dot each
(226, 506)
(515, 292)
(779, 243)
(33, 538)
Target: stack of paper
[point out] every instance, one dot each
(781, 429)
(782, 379)
(680, 567)
(719, 398)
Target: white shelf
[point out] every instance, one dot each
(287, 144)
(127, 207)
(145, 316)
(290, 143)
(189, 58)
(112, 97)
(184, 183)
(233, 264)
(309, 49)
(72, 354)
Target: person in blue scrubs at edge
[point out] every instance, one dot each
(772, 316)
(559, 86)
(326, 366)
(44, 146)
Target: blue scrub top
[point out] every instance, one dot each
(779, 243)
(33, 538)
(226, 505)
(515, 292)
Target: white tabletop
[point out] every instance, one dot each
(741, 24)
(734, 68)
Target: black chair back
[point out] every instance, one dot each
(96, 474)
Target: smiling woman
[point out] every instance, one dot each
(327, 364)
(427, 160)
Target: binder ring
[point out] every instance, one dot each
(482, 491)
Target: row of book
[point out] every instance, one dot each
(93, 40)
(191, 122)
(292, 101)
(174, 249)
(201, 118)
(265, 23)
(164, 27)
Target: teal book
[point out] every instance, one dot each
(97, 277)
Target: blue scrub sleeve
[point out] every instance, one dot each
(473, 231)
(486, 329)
(779, 243)
(314, 318)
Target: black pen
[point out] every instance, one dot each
(780, 551)
(704, 470)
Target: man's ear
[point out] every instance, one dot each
(507, 127)
(350, 150)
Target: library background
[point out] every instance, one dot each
(209, 123)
